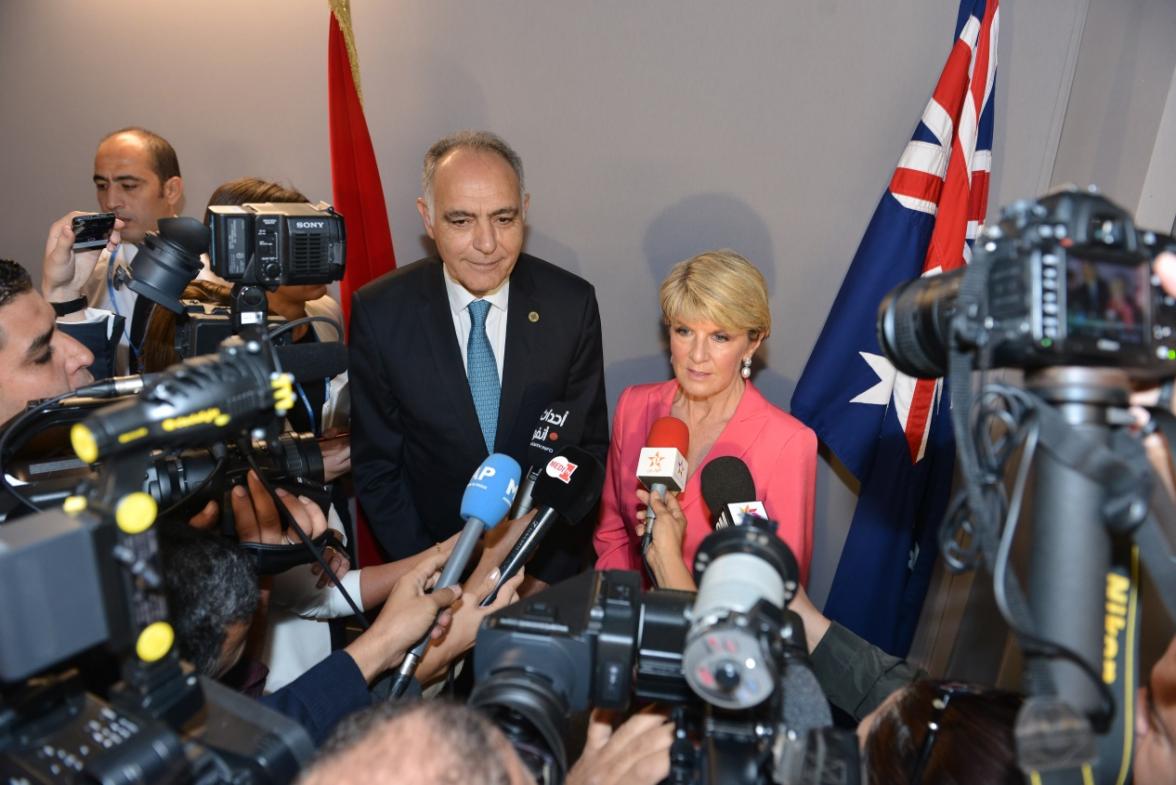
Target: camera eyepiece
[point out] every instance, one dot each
(168, 261)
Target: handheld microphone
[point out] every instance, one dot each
(568, 487)
(729, 492)
(486, 501)
(192, 403)
(552, 432)
(661, 466)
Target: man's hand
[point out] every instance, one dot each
(336, 449)
(637, 752)
(408, 614)
(496, 543)
(63, 272)
(258, 520)
(467, 618)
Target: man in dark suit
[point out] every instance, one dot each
(455, 356)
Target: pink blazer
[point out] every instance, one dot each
(778, 449)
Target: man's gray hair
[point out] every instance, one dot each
(484, 141)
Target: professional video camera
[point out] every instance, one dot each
(1065, 280)
(731, 661)
(272, 244)
(93, 569)
(1062, 288)
(202, 327)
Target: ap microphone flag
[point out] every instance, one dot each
(491, 490)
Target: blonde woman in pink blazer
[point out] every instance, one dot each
(715, 306)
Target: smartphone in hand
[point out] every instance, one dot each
(92, 230)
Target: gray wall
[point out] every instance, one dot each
(650, 130)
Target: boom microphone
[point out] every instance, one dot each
(552, 432)
(569, 487)
(486, 501)
(729, 491)
(661, 466)
(306, 362)
(312, 362)
(191, 404)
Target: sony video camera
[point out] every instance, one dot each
(731, 660)
(272, 244)
(1065, 280)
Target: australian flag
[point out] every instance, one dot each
(891, 431)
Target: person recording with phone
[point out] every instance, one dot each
(715, 308)
(137, 179)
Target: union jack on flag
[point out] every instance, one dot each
(891, 431)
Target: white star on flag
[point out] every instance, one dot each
(900, 387)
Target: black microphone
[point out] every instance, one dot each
(312, 362)
(193, 403)
(569, 487)
(306, 362)
(557, 426)
(729, 491)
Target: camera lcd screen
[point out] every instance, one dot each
(1107, 300)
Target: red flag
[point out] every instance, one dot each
(355, 177)
(358, 193)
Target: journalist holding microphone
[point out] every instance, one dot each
(715, 307)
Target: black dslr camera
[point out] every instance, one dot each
(1065, 280)
(731, 661)
(269, 244)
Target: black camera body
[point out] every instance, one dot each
(271, 244)
(1068, 281)
(730, 660)
(202, 327)
(101, 611)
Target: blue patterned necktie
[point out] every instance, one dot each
(482, 372)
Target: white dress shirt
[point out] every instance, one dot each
(459, 300)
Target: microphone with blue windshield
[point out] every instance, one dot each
(486, 501)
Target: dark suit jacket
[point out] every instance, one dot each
(415, 438)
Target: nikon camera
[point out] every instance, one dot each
(1064, 280)
(269, 244)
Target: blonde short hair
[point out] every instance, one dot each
(721, 287)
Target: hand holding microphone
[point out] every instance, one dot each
(487, 499)
(569, 487)
(661, 466)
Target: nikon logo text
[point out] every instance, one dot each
(1115, 622)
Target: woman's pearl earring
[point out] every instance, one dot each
(745, 371)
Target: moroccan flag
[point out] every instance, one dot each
(355, 177)
(358, 193)
(891, 431)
